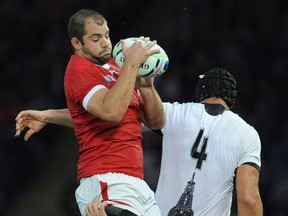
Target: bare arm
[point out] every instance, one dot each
(59, 117)
(35, 120)
(152, 111)
(111, 105)
(248, 195)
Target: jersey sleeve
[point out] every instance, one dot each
(251, 152)
(85, 84)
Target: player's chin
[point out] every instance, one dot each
(106, 57)
(102, 60)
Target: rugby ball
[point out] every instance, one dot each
(155, 65)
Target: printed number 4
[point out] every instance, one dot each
(199, 155)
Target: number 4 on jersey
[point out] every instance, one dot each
(199, 155)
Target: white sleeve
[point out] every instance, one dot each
(90, 94)
(252, 149)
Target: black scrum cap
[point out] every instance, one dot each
(217, 83)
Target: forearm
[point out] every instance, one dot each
(152, 112)
(120, 95)
(248, 194)
(111, 105)
(59, 117)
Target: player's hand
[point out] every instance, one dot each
(33, 119)
(96, 208)
(139, 51)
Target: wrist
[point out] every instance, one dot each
(47, 117)
(147, 92)
(130, 65)
(146, 89)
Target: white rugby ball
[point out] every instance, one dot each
(155, 65)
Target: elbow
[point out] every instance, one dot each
(114, 117)
(114, 120)
(109, 114)
(249, 203)
(156, 124)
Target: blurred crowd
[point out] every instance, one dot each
(248, 38)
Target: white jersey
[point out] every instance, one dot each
(200, 155)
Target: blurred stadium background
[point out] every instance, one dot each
(248, 38)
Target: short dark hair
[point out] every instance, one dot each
(76, 25)
(217, 83)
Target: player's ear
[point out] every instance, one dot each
(76, 43)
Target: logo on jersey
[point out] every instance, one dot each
(110, 77)
(184, 205)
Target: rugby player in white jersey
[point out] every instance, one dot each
(206, 149)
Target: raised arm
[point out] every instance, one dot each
(151, 107)
(35, 120)
(111, 105)
(248, 195)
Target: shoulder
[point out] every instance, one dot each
(75, 59)
(238, 119)
(79, 64)
(177, 105)
(182, 111)
(243, 128)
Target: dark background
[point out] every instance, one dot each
(248, 38)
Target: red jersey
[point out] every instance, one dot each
(103, 146)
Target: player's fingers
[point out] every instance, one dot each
(20, 125)
(22, 114)
(18, 132)
(93, 209)
(19, 116)
(28, 134)
(88, 210)
(18, 122)
(101, 208)
(123, 44)
(22, 122)
(146, 39)
(143, 40)
(18, 129)
(153, 51)
(150, 45)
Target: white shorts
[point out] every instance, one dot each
(120, 190)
